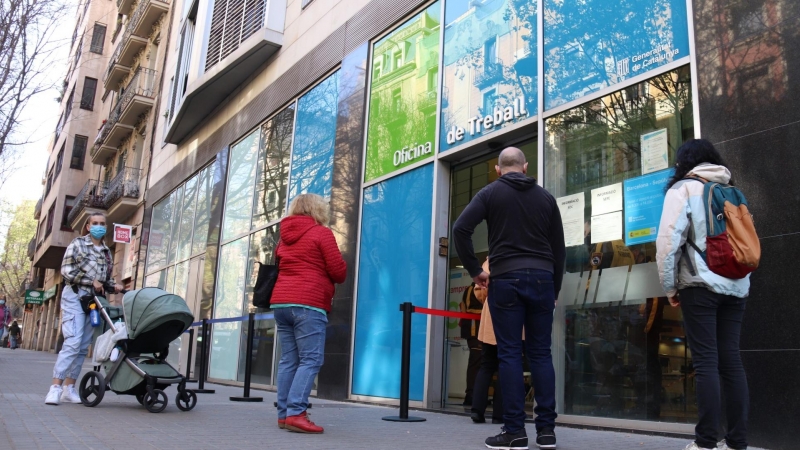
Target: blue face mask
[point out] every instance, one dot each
(97, 231)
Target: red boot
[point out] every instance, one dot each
(281, 423)
(301, 424)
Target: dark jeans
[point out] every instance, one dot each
(713, 324)
(480, 396)
(473, 365)
(516, 299)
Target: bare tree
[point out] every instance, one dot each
(27, 50)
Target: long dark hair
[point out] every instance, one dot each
(693, 153)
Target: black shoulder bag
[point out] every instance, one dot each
(265, 283)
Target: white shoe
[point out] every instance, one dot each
(53, 395)
(694, 446)
(722, 445)
(70, 395)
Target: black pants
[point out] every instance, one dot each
(480, 398)
(713, 324)
(473, 365)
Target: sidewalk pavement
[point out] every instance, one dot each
(119, 422)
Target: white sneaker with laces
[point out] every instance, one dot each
(70, 395)
(53, 395)
(694, 446)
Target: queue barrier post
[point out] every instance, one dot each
(405, 368)
(247, 362)
(203, 361)
(189, 358)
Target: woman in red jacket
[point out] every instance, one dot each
(309, 264)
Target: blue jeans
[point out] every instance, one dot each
(516, 299)
(77, 331)
(302, 336)
(713, 324)
(13, 340)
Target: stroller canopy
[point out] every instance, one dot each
(147, 309)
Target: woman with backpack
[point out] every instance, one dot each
(713, 305)
(310, 264)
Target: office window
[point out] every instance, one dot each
(49, 183)
(89, 89)
(60, 159)
(50, 213)
(69, 202)
(68, 106)
(98, 38)
(78, 52)
(78, 152)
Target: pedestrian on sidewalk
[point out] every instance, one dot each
(86, 268)
(526, 257)
(712, 305)
(489, 365)
(471, 302)
(309, 263)
(5, 321)
(13, 334)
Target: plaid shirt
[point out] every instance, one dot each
(83, 263)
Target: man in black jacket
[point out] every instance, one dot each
(526, 254)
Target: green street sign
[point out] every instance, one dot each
(34, 297)
(50, 293)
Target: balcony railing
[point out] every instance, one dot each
(491, 74)
(91, 196)
(125, 184)
(32, 248)
(427, 100)
(37, 210)
(142, 10)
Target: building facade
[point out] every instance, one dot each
(397, 110)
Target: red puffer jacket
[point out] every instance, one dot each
(309, 264)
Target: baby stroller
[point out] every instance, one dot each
(154, 318)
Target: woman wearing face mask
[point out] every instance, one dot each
(86, 268)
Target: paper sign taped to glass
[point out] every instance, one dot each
(572, 208)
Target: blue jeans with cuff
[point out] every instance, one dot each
(302, 337)
(516, 299)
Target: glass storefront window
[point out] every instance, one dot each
(175, 229)
(623, 353)
(272, 168)
(188, 207)
(241, 183)
(160, 233)
(205, 185)
(228, 303)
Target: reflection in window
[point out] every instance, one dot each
(207, 179)
(160, 233)
(314, 139)
(228, 302)
(241, 180)
(624, 353)
(272, 168)
(175, 228)
(188, 208)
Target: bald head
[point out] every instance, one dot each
(511, 160)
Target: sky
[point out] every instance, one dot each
(39, 120)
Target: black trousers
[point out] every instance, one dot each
(473, 365)
(480, 397)
(713, 324)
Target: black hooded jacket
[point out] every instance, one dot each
(525, 230)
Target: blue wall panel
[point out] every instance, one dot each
(393, 268)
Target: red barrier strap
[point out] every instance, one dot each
(442, 313)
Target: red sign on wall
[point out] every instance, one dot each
(122, 233)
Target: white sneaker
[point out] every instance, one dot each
(70, 395)
(53, 395)
(722, 445)
(694, 446)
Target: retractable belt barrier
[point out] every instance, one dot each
(205, 331)
(405, 355)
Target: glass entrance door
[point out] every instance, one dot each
(462, 349)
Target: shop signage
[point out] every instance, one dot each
(123, 233)
(404, 96)
(34, 297)
(483, 124)
(50, 293)
(489, 68)
(591, 46)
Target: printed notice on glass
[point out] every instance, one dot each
(607, 227)
(655, 151)
(644, 200)
(607, 199)
(571, 208)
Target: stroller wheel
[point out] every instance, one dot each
(186, 400)
(92, 389)
(155, 402)
(140, 399)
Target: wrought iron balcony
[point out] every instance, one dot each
(427, 100)
(125, 184)
(37, 210)
(492, 73)
(90, 197)
(133, 39)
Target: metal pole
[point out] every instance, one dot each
(405, 368)
(251, 327)
(203, 362)
(189, 358)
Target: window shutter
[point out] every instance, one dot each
(232, 22)
(98, 38)
(89, 89)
